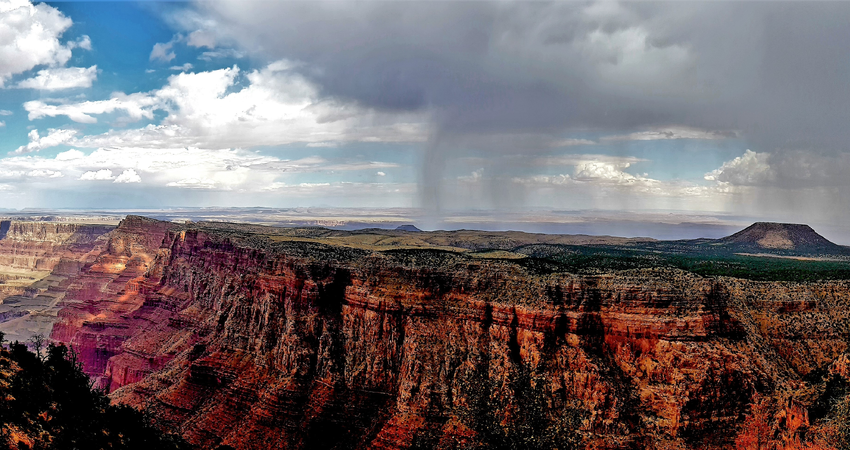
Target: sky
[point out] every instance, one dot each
(707, 108)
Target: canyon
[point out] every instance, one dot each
(38, 260)
(257, 337)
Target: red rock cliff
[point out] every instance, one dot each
(36, 260)
(234, 339)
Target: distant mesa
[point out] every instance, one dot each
(409, 228)
(780, 236)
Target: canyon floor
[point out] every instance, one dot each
(258, 337)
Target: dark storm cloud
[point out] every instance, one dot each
(775, 73)
(483, 66)
(778, 71)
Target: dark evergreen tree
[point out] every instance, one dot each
(47, 402)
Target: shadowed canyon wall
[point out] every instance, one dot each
(239, 338)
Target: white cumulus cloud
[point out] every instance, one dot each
(61, 78)
(70, 155)
(749, 169)
(128, 176)
(54, 137)
(29, 37)
(99, 175)
(162, 51)
(597, 175)
(135, 106)
(187, 168)
(605, 171)
(275, 106)
(83, 42)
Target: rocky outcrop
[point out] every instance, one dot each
(54, 232)
(40, 246)
(91, 319)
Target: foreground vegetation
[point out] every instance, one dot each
(47, 402)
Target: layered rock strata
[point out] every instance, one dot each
(231, 337)
(37, 259)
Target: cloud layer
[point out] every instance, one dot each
(229, 108)
(507, 104)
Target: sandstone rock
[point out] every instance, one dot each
(36, 261)
(233, 338)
